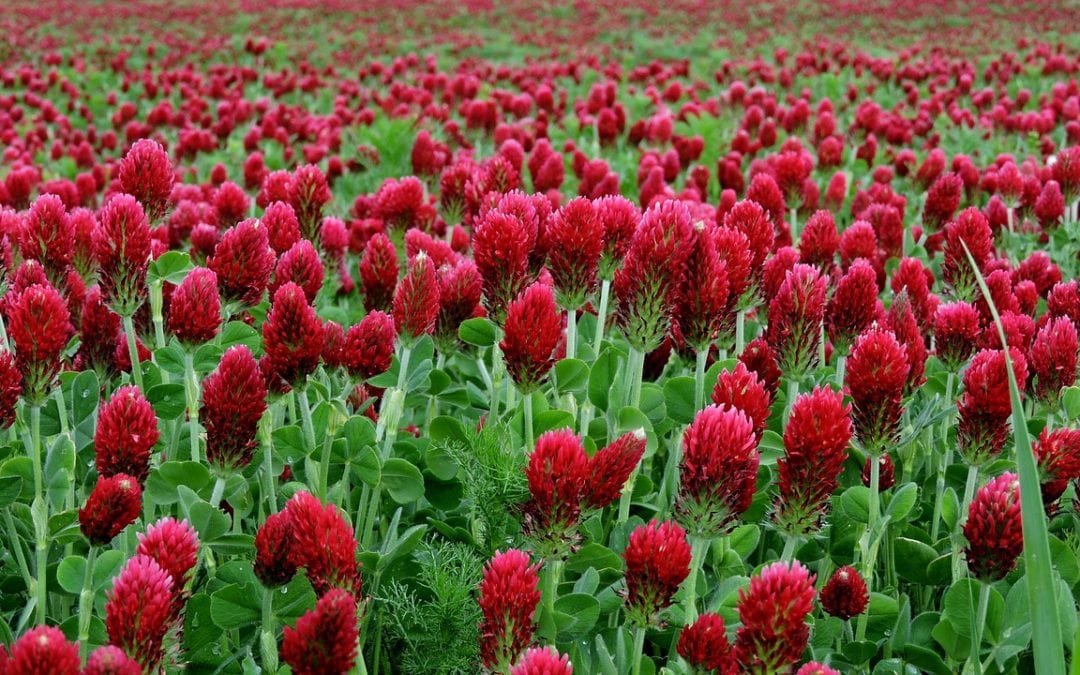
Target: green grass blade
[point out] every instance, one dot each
(1046, 629)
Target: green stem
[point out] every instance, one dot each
(698, 548)
(976, 629)
(868, 549)
(635, 366)
(527, 401)
(935, 524)
(218, 491)
(790, 543)
(156, 302)
(268, 644)
(133, 351)
(308, 427)
(601, 315)
(792, 393)
(571, 333)
(699, 378)
(191, 393)
(4, 335)
(639, 647)
(550, 591)
(267, 442)
(324, 466)
(841, 370)
(794, 218)
(740, 331)
(86, 598)
(35, 450)
(969, 494)
(16, 547)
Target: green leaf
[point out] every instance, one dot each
(171, 266)
(679, 392)
(10, 488)
(602, 377)
(208, 521)
(83, 395)
(170, 358)
(593, 555)
(162, 484)
(903, 500)
(479, 332)
(856, 502)
(576, 614)
(403, 481)
(239, 333)
(912, 559)
(70, 573)
(1070, 401)
(572, 376)
(366, 464)
(236, 606)
(167, 400)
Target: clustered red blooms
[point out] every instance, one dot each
(532, 334)
(416, 300)
(986, 406)
(957, 327)
(139, 610)
(39, 328)
(114, 503)
(195, 307)
(718, 472)
(796, 312)
(369, 346)
(815, 447)
(10, 389)
(542, 661)
(292, 335)
(575, 240)
(1053, 358)
(876, 374)
(845, 595)
(316, 538)
(122, 245)
(127, 430)
(324, 640)
(773, 612)
(1058, 456)
(509, 596)
(233, 402)
(743, 389)
(274, 563)
(994, 529)
(657, 560)
(704, 645)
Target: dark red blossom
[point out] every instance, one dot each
(819, 241)
(702, 300)
(557, 473)
(956, 329)
(243, 261)
(533, 331)
(308, 192)
(574, 240)
(460, 290)
(509, 597)
(378, 272)
(744, 390)
(619, 217)
(111, 660)
(113, 504)
(773, 612)
(292, 335)
(970, 229)
(282, 228)
(139, 611)
(174, 545)
(10, 389)
(369, 345)
(718, 472)
(147, 174)
(122, 246)
(416, 300)
(233, 401)
(994, 530)
(1058, 455)
(876, 374)
(610, 469)
(127, 430)
(795, 319)
(323, 544)
(302, 266)
(942, 200)
(501, 245)
(704, 645)
(1053, 359)
(42, 650)
(657, 560)
(195, 307)
(845, 595)
(325, 639)
(47, 235)
(986, 406)
(853, 306)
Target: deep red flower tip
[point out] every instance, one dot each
(127, 430)
(509, 597)
(858, 241)
(369, 345)
(773, 612)
(845, 594)
(752, 220)
(620, 218)
(1050, 206)
(796, 313)
(10, 389)
(416, 299)
(815, 447)
(853, 306)
(900, 319)
(139, 610)
(815, 668)
(1053, 357)
(243, 261)
(543, 661)
(147, 174)
(986, 405)
(702, 303)
(174, 545)
(325, 639)
(971, 229)
(994, 529)
(323, 544)
(1058, 454)
(233, 401)
(574, 240)
(231, 203)
(533, 331)
(302, 266)
(502, 243)
(111, 660)
(399, 203)
(743, 276)
(876, 374)
(195, 307)
(610, 468)
(39, 327)
(282, 227)
(744, 390)
(274, 558)
(956, 328)
(292, 334)
(657, 561)
(438, 250)
(122, 245)
(460, 290)
(47, 235)
(113, 504)
(942, 200)
(308, 192)
(557, 474)
(704, 645)
(378, 272)
(41, 650)
(819, 240)
(764, 190)
(916, 280)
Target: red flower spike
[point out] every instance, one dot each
(900, 319)
(243, 261)
(853, 307)
(702, 300)
(147, 174)
(333, 351)
(543, 661)
(111, 660)
(994, 530)
(985, 407)
(282, 227)
(10, 389)
(460, 290)
(325, 639)
(39, 328)
(657, 561)
(610, 468)
(127, 430)
(752, 220)
(971, 229)
(815, 448)
(400, 203)
(718, 472)
(292, 335)
(956, 330)
(533, 332)
(233, 401)
(509, 597)
(139, 611)
(942, 200)
(815, 668)
(557, 473)
(647, 284)
(323, 544)
(302, 266)
(744, 279)
(378, 273)
(274, 558)
(704, 645)
(795, 319)
(99, 328)
(845, 595)
(1058, 455)
(1053, 358)
(773, 612)
(744, 390)
(122, 245)
(42, 650)
(369, 346)
(416, 300)
(48, 236)
(620, 218)
(174, 545)
(502, 243)
(195, 307)
(876, 374)
(114, 503)
(308, 192)
(574, 239)
(819, 241)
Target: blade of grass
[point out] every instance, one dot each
(1046, 633)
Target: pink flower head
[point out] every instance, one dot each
(501, 244)
(369, 345)
(39, 327)
(986, 405)
(111, 660)
(970, 229)
(575, 239)
(460, 290)
(542, 661)
(378, 272)
(620, 218)
(744, 390)
(114, 503)
(853, 307)
(139, 611)
(282, 227)
(41, 650)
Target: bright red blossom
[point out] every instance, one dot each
(657, 562)
(127, 430)
(993, 529)
(532, 334)
(324, 640)
(845, 595)
(718, 472)
(114, 503)
(773, 612)
(509, 596)
(234, 399)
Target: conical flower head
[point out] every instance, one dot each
(139, 611)
(853, 307)
(1053, 358)
(323, 544)
(819, 241)
(942, 200)
(620, 218)
(47, 235)
(114, 503)
(302, 266)
(111, 660)
(532, 334)
(243, 262)
(122, 243)
(845, 594)
(147, 174)
(647, 285)
(657, 560)
(10, 389)
(744, 390)
(702, 304)
(900, 319)
(575, 240)
(759, 359)
(557, 473)
(956, 329)
(994, 529)
(127, 430)
(501, 245)
(543, 661)
(744, 279)
(460, 290)
(610, 469)
(773, 612)
(876, 374)
(986, 406)
(39, 327)
(369, 345)
(308, 192)
(174, 545)
(274, 558)
(1058, 455)
(99, 327)
(795, 318)
(718, 472)
(292, 335)
(234, 400)
(195, 307)
(378, 272)
(509, 597)
(282, 227)
(970, 229)
(416, 300)
(704, 645)
(752, 220)
(815, 447)
(324, 640)
(42, 650)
